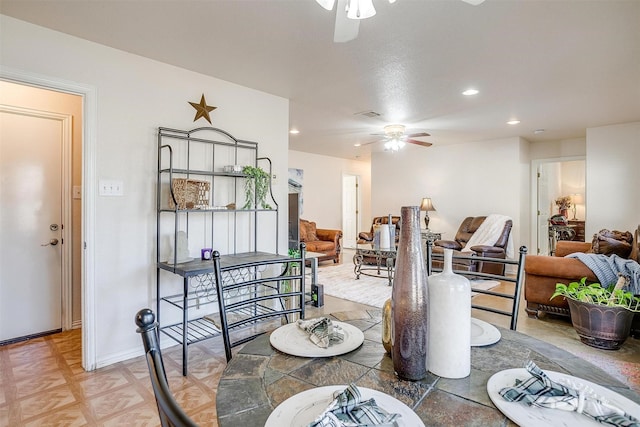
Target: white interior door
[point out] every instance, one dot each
(543, 198)
(350, 210)
(30, 224)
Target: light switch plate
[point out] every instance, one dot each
(110, 187)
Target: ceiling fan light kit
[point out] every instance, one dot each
(360, 9)
(394, 145)
(395, 138)
(356, 9)
(348, 16)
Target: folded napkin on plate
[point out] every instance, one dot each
(348, 410)
(541, 391)
(322, 332)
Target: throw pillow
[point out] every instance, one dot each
(311, 232)
(304, 225)
(612, 242)
(635, 251)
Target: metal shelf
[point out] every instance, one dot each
(201, 153)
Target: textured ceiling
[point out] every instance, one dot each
(562, 66)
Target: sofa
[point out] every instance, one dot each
(367, 236)
(320, 240)
(543, 272)
(467, 228)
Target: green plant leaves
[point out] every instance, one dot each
(594, 293)
(256, 187)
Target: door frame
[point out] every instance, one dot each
(88, 198)
(535, 164)
(65, 233)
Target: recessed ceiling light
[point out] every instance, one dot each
(470, 92)
(294, 131)
(357, 144)
(513, 122)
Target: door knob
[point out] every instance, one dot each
(52, 242)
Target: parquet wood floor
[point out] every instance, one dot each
(42, 383)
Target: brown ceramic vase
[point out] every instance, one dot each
(409, 301)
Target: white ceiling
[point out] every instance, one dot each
(562, 66)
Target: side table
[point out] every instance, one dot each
(431, 236)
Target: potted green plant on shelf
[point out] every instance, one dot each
(601, 316)
(292, 268)
(256, 187)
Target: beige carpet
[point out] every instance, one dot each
(339, 280)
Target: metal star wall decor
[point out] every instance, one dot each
(202, 109)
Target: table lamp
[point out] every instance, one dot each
(575, 199)
(426, 206)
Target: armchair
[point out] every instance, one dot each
(464, 235)
(321, 240)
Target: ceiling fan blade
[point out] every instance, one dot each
(371, 142)
(473, 2)
(346, 29)
(417, 135)
(422, 143)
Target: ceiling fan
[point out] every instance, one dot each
(348, 22)
(395, 138)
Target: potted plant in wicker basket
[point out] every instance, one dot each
(601, 316)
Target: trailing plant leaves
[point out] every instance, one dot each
(256, 187)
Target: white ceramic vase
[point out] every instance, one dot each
(449, 322)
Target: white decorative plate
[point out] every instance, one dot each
(290, 339)
(301, 409)
(525, 416)
(483, 333)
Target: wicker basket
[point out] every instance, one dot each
(190, 194)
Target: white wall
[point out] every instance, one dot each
(613, 174)
(575, 147)
(322, 187)
(462, 180)
(135, 96)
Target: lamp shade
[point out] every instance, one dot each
(427, 205)
(577, 198)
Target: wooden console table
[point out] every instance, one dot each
(579, 229)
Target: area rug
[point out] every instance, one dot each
(339, 280)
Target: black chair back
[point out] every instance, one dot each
(171, 414)
(505, 276)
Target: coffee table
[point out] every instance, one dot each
(370, 258)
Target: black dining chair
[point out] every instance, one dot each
(506, 276)
(170, 412)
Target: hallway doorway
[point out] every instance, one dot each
(80, 312)
(552, 179)
(351, 208)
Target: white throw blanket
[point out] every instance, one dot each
(489, 232)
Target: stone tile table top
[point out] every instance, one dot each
(259, 378)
